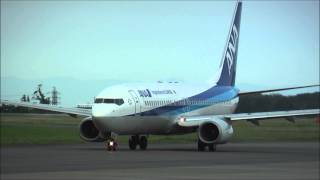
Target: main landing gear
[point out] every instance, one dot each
(202, 146)
(142, 141)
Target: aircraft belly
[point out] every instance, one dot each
(129, 125)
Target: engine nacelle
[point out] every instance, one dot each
(216, 131)
(89, 132)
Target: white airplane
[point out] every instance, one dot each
(140, 110)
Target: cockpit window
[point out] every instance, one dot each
(119, 101)
(110, 101)
(98, 100)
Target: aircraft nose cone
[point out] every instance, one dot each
(101, 116)
(99, 111)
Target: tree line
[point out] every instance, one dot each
(277, 102)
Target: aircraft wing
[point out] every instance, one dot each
(252, 117)
(273, 90)
(67, 110)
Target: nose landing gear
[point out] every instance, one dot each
(111, 144)
(136, 140)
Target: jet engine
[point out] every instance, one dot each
(89, 132)
(216, 131)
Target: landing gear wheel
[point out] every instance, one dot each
(212, 147)
(143, 142)
(111, 145)
(201, 145)
(133, 143)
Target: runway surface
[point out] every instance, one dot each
(162, 161)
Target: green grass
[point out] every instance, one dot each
(39, 129)
(277, 130)
(61, 129)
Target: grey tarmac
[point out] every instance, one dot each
(241, 161)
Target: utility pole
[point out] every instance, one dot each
(54, 96)
(23, 98)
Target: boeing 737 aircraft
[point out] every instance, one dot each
(140, 109)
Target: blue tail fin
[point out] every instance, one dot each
(229, 59)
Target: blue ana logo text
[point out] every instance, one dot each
(144, 93)
(148, 93)
(232, 47)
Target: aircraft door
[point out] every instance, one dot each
(187, 107)
(136, 101)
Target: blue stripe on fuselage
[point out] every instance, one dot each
(211, 96)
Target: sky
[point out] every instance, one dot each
(159, 40)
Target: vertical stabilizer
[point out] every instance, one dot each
(227, 71)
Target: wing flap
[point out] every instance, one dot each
(67, 110)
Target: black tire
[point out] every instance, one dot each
(143, 142)
(201, 145)
(132, 144)
(212, 147)
(111, 148)
(108, 147)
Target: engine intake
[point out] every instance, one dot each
(215, 131)
(89, 132)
